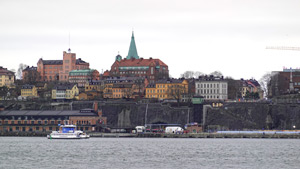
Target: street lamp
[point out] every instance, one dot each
(294, 127)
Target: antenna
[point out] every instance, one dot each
(69, 50)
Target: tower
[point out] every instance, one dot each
(132, 53)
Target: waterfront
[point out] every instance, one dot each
(39, 152)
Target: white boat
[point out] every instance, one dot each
(68, 132)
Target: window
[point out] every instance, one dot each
(32, 122)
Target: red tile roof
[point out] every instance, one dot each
(141, 62)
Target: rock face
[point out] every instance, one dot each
(129, 115)
(255, 116)
(232, 116)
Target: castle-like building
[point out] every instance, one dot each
(51, 70)
(134, 66)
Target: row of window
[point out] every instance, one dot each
(18, 128)
(133, 72)
(31, 122)
(208, 91)
(156, 96)
(206, 85)
(157, 91)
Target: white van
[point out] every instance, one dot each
(174, 130)
(140, 129)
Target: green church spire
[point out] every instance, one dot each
(132, 53)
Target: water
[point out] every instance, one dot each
(37, 152)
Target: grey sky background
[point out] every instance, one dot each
(224, 35)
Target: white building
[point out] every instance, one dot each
(211, 88)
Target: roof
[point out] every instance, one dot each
(60, 62)
(4, 71)
(79, 61)
(164, 81)
(47, 113)
(140, 62)
(122, 85)
(64, 86)
(40, 84)
(30, 68)
(52, 62)
(27, 86)
(132, 52)
(210, 78)
(82, 71)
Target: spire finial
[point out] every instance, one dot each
(132, 53)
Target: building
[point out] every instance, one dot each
(29, 91)
(114, 87)
(134, 66)
(284, 82)
(65, 92)
(58, 70)
(81, 77)
(122, 90)
(167, 89)
(30, 75)
(211, 88)
(251, 88)
(7, 78)
(48, 120)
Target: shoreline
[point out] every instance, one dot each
(163, 135)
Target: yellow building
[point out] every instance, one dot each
(7, 78)
(65, 92)
(29, 91)
(167, 89)
(107, 92)
(122, 90)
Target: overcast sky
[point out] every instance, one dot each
(198, 35)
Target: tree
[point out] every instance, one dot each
(176, 92)
(216, 73)
(265, 81)
(4, 92)
(191, 74)
(20, 69)
(234, 86)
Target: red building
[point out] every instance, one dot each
(51, 70)
(134, 66)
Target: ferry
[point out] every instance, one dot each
(68, 132)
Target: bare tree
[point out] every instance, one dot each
(20, 69)
(191, 74)
(176, 92)
(265, 81)
(216, 73)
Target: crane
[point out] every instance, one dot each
(283, 48)
(291, 85)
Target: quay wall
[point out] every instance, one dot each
(163, 135)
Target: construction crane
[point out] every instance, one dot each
(283, 48)
(291, 85)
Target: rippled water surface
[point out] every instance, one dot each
(33, 152)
